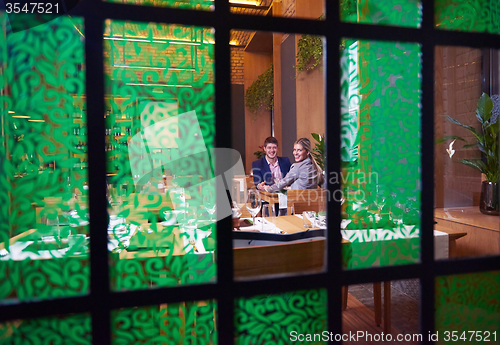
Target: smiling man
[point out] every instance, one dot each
(270, 168)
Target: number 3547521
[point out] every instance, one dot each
(31, 7)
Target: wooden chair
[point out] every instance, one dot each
(306, 199)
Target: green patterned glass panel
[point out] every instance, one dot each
(468, 308)
(281, 319)
(67, 330)
(407, 13)
(381, 90)
(467, 15)
(173, 324)
(159, 141)
(204, 5)
(43, 219)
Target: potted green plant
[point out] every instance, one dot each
(260, 153)
(261, 93)
(485, 141)
(318, 151)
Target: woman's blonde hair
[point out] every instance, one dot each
(306, 145)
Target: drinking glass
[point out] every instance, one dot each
(269, 216)
(322, 215)
(253, 202)
(379, 199)
(190, 221)
(210, 204)
(308, 218)
(53, 222)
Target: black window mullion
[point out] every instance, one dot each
(427, 277)
(333, 116)
(225, 291)
(98, 212)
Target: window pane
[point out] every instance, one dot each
(470, 305)
(159, 142)
(281, 319)
(173, 324)
(389, 12)
(465, 15)
(278, 95)
(44, 220)
(381, 90)
(309, 9)
(467, 89)
(204, 5)
(382, 312)
(70, 329)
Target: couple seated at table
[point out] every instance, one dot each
(272, 173)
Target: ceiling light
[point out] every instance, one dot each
(243, 2)
(177, 42)
(125, 39)
(152, 41)
(21, 116)
(150, 67)
(164, 85)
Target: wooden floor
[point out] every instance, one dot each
(358, 317)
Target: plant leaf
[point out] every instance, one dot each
(469, 128)
(449, 137)
(475, 164)
(479, 146)
(484, 107)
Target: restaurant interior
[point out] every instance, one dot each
(171, 188)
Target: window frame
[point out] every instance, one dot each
(101, 300)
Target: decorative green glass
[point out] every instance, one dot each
(43, 213)
(468, 308)
(70, 329)
(466, 15)
(204, 5)
(388, 12)
(381, 90)
(281, 319)
(173, 324)
(159, 141)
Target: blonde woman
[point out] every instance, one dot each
(305, 173)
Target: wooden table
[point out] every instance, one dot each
(483, 231)
(279, 258)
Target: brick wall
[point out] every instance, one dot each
(457, 89)
(237, 65)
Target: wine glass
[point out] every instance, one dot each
(309, 219)
(269, 217)
(253, 202)
(190, 221)
(210, 204)
(379, 199)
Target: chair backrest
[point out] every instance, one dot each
(307, 199)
